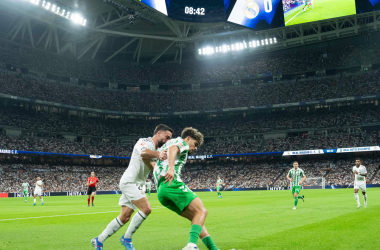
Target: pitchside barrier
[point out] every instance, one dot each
(84, 193)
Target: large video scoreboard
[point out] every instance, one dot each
(261, 14)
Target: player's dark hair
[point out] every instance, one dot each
(358, 159)
(163, 127)
(194, 134)
(295, 162)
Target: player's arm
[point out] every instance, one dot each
(172, 153)
(354, 175)
(364, 174)
(149, 163)
(288, 177)
(89, 182)
(304, 178)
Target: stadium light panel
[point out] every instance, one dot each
(43, 3)
(258, 43)
(275, 40)
(228, 47)
(204, 51)
(53, 8)
(200, 51)
(216, 49)
(241, 46)
(266, 41)
(232, 47)
(254, 44)
(270, 40)
(250, 44)
(220, 48)
(262, 42)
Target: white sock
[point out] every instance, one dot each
(357, 198)
(365, 198)
(112, 228)
(42, 200)
(34, 200)
(136, 222)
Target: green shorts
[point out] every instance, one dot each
(25, 192)
(218, 189)
(296, 189)
(176, 197)
(148, 190)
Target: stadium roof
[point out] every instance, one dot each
(130, 31)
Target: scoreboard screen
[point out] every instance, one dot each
(305, 11)
(256, 14)
(200, 11)
(363, 6)
(261, 14)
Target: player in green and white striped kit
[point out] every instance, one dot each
(294, 176)
(218, 186)
(148, 186)
(25, 189)
(173, 193)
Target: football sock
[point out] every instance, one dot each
(26, 197)
(195, 231)
(299, 196)
(93, 197)
(357, 198)
(88, 200)
(112, 228)
(136, 222)
(149, 193)
(34, 200)
(42, 200)
(209, 243)
(365, 197)
(295, 201)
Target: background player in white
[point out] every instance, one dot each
(131, 186)
(360, 172)
(38, 191)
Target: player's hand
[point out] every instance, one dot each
(356, 172)
(163, 155)
(169, 176)
(291, 179)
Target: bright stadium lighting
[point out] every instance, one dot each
(241, 46)
(200, 51)
(220, 48)
(245, 44)
(216, 49)
(237, 46)
(228, 47)
(266, 41)
(275, 40)
(270, 40)
(84, 22)
(63, 12)
(47, 6)
(262, 42)
(43, 3)
(204, 51)
(224, 48)
(232, 47)
(254, 44)
(258, 43)
(250, 44)
(53, 8)
(58, 10)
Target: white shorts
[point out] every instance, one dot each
(361, 185)
(37, 192)
(130, 192)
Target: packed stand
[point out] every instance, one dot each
(289, 143)
(268, 94)
(335, 141)
(361, 84)
(318, 89)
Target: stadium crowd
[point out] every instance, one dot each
(59, 178)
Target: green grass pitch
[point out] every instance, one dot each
(323, 9)
(328, 219)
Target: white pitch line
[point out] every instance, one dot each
(63, 215)
(293, 17)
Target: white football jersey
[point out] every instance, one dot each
(38, 187)
(361, 170)
(137, 172)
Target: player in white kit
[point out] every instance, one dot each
(131, 186)
(38, 191)
(360, 173)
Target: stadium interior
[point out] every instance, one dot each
(76, 93)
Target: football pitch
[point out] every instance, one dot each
(328, 219)
(323, 9)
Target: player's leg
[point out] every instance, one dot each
(42, 199)
(34, 197)
(139, 200)
(149, 192)
(189, 213)
(113, 227)
(363, 189)
(92, 198)
(88, 199)
(26, 196)
(144, 210)
(356, 190)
